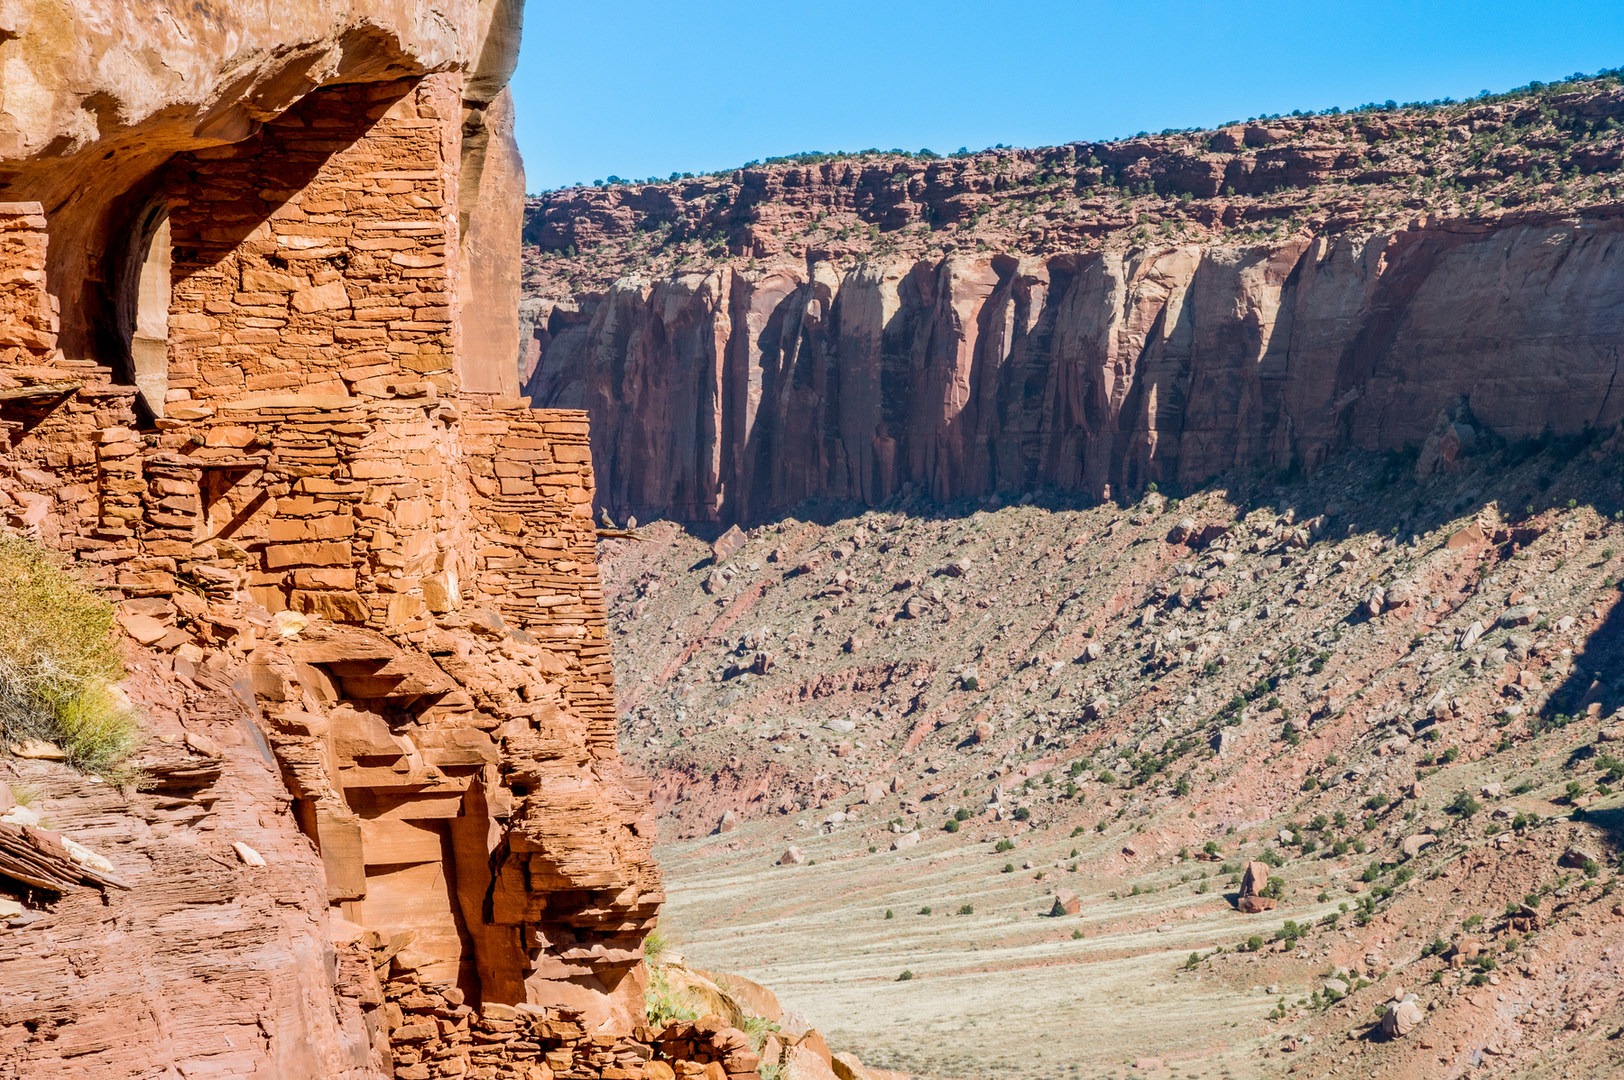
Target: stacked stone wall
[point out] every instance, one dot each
(322, 253)
(28, 321)
(312, 342)
(438, 1034)
(531, 474)
(66, 449)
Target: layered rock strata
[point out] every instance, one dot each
(1541, 149)
(234, 386)
(206, 966)
(730, 394)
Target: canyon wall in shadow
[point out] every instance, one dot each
(729, 394)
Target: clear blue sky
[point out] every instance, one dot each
(646, 87)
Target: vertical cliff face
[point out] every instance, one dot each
(731, 394)
(383, 807)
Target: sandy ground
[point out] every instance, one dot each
(1094, 1006)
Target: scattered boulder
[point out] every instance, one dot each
(1451, 439)
(145, 629)
(1065, 903)
(1469, 636)
(1519, 615)
(804, 1063)
(1464, 952)
(793, 856)
(729, 821)
(1401, 1018)
(1182, 531)
(1576, 859)
(915, 607)
(1254, 880)
(1470, 537)
(1413, 845)
(247, 855)
(1526, 919)
(728, 544)
(848, 1067)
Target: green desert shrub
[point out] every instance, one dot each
(59, 661)
(662, 1001)
(655, 946)
(757, 1028)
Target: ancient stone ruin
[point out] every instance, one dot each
(256, 376)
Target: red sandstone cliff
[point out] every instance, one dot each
(1091, 318)
(728, 394)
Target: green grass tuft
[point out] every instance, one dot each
(663, 1003)
(655, 946)
(59, 662)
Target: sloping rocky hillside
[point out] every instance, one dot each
(1025, 753)
(1088, 318)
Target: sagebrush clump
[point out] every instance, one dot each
(59, 661)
